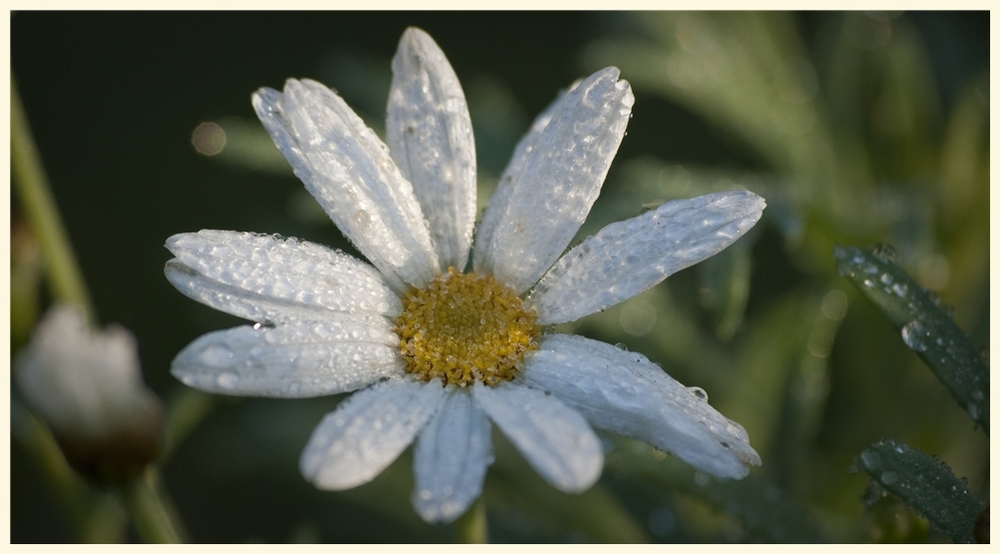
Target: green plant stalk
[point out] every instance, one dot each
(64, 276)
(66, 281)
(471, 527)
(95, 517)
(150, 516)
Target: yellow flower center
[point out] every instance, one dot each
(465, 327)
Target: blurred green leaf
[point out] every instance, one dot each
(926, 484)
(924, 326)
(724, 287)
(766, 513)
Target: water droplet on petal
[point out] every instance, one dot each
(228, 380)
(698, 393)
(216, 355)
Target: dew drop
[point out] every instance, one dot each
(977, 395)
(216, 355)
(426, 494)
(698, 393)
(914, 334)
(886, 279)
(973, 410)
(869, 283)
(889, 478)
(228, 380)
(899, 289)
(871, 459)
(886, 253)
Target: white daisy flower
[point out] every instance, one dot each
(438, 353)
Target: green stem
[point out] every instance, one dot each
(95, 516)
(65, 278)
(153, 521)
(471, 527)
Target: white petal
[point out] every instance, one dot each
(367, 432)
(553, 438)
(450, 459)
(429, 134)
(348, 169)
(561, 178)
(271, 279)
(497, 205)
(628, 257)
(625, 393)
(300, 359)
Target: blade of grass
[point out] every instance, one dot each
(924, 326)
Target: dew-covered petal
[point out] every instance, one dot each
(561, 178)
(623, 392)
(268, 278)
(429, 134)
(369, 430)
(497, 205)
(298, 359)
(553, 438)
(628, 257)
(450, 459)
(349, 171)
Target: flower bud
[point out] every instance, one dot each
(88, 388)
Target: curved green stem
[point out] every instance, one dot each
(65, 278)
(152, 520)
(471, 527)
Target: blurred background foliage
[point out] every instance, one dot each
(858, 128)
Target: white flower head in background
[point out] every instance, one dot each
(437, 352)
(88, 388)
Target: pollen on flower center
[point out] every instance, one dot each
(463, 328)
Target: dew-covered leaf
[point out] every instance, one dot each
(927, 485)
(925, 327)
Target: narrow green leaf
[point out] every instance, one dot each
(924, 326)
(927, 485)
